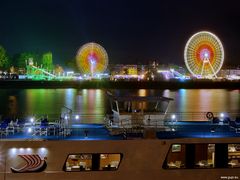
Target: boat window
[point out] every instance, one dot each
(78, 162)
(162, 106)
(125, 106)
(159, 106)
(109, 161)
(204, 155)
(233, 155)
(190, 156)
(122, 106)
(150, 107)
(130, 106)
(114, 106)
(136, 106)
(176, 156)
(200, 156)
(92, 162)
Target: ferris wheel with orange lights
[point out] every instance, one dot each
(92, 59)
(204, 55)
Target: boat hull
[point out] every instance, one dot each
(141, 159)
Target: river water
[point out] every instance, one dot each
(92, 104)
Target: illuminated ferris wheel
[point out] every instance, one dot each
(204, 54)
(92, 59)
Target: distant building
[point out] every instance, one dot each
(127, 71)
(227, 72)
(230, 73)
(154, 71)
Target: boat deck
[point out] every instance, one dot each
(77, 132)
(180, 129)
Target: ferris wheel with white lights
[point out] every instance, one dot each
(204, 55)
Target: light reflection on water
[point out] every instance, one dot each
(92, 104)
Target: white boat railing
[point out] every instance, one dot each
(118, 124)
(169, 119)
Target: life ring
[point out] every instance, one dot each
(209, 115)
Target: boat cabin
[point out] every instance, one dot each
(135, 111)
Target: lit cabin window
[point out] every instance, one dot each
(78, 162)
(189, 156)
(198, 156)
(92, 162)
(204, 155)
(176, 157)
(109, 161)
(233, 155)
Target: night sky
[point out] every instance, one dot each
(131, 31)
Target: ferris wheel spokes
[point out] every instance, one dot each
(214, 73)
(205, 61)
(202, 68)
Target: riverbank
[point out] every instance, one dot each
(99, 84)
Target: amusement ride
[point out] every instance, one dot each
(204, 55)
(92, 59)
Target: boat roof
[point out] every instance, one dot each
(138, 98)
